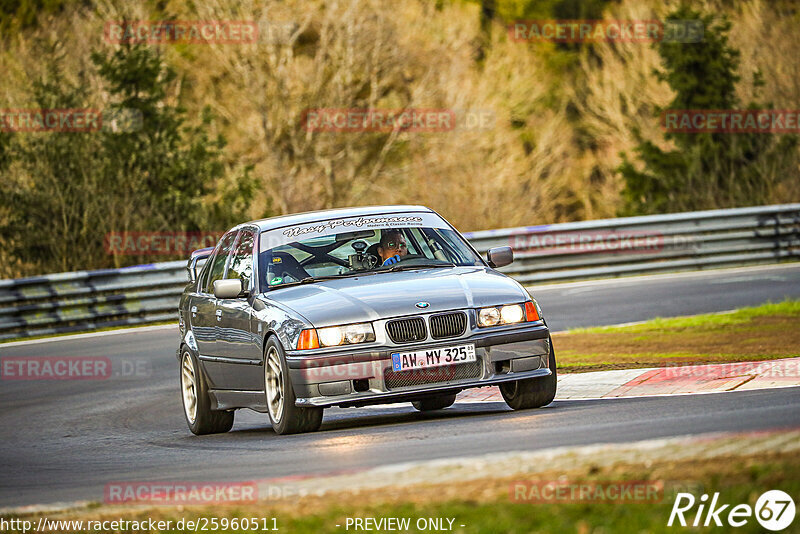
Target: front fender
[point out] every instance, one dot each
(278, 319)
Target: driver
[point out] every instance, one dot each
(392, 246)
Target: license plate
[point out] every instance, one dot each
(438, 357)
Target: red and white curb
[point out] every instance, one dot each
(674, 380)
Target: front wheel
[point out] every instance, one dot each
(532, 392)
(286, 418)
(434, 403)
(196, 402)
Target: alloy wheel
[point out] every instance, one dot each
(189, 387)
(273, 375)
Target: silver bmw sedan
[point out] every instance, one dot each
(351, 307)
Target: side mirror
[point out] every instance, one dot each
(500, 256)
(229, 289)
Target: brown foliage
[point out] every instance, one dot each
(550, 153)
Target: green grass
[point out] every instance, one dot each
(766, 332)
(742, 316)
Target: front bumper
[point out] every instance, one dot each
(357, 378)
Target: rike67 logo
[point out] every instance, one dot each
(774, 510)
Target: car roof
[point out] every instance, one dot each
(339, 213)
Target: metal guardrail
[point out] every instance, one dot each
(648, 244)
(88, 300)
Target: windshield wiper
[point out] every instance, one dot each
(423, 266)
(312, 279)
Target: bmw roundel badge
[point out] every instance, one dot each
(422, 305)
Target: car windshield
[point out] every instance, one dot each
(362, 252)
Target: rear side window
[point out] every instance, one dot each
(217, 269)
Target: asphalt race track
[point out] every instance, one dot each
(64, 440)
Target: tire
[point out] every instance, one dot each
(533, 392)
(197, 411)
(434, 403)
(286, 418)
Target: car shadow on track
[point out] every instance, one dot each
(254, 426)
(377, 417)
(253, 429)
(373, 417)
(352, 418)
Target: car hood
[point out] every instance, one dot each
(384, 295)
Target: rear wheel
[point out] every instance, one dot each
(533, 392)
(196, 402)
(286, 418)
(434, 403)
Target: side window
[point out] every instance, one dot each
(456, 250)
(218, 261)
(241, 265)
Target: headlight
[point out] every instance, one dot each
(509, 314)
(488, 317)
(346, 335)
